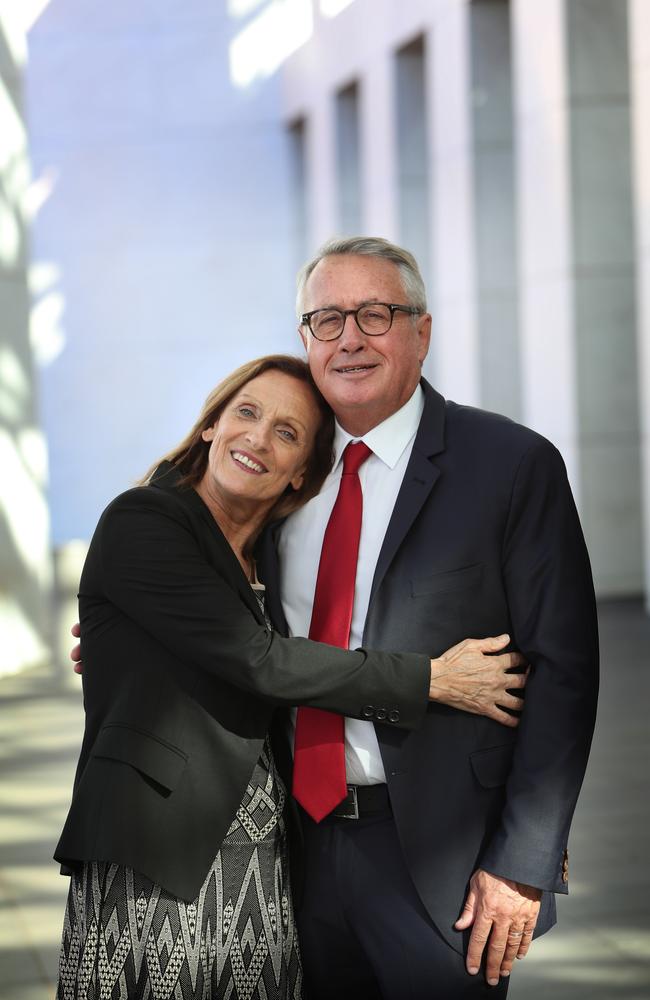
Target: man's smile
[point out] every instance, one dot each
(355, 369)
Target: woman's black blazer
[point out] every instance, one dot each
(181, 679)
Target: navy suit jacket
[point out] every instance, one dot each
(485, 539)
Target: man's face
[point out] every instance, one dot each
(364, 379)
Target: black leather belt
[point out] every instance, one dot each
(363, 800)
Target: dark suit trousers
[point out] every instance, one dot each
(364, 934)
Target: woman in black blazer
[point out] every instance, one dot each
(175, 838)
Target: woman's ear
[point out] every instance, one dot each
(209, 432)
(298, 479)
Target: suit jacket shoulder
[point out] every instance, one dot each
(490, 431)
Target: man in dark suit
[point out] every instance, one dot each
(446, 854)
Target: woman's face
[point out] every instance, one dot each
(262, 441)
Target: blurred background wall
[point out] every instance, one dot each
(165, 166)
(25, 561)
(187, 156)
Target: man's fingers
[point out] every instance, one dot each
(478, 940)
(525, 942)
(75, 653)
(76, 630)
(497, 948)
(467, 916)
(513, 943)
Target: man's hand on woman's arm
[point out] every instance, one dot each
(470, 677)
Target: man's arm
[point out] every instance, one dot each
(553, 614)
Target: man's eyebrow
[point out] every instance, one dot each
(366, 302)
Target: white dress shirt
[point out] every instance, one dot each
(301, 540)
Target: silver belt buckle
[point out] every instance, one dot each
(349, 807)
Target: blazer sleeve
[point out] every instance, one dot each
(152, 568)
(553, 614)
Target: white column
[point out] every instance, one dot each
(639, 34)
(455, 348)
(542, 156)
(579, 349)
(321, 170)
(378, 149)
(412, 156)
(25, 564)
(494, 204)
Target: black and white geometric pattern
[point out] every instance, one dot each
(125, 938)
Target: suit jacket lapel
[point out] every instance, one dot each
(419, 479)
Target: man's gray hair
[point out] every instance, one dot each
(368, 246)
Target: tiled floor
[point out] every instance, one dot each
(599, 951)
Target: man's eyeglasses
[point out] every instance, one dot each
(373, 319)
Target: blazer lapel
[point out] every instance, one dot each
(167, 477)
(419, 479)
(268, 571)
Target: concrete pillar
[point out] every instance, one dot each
(321, 170)
(605, 292)
(454, 355)
(297, 141)
(348, 165)
(378, 148)
(412, 143)
(579, 382)
(639, 34)
(25, 566)
(546, 321)
(494, 204)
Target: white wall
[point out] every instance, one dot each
(167, 228)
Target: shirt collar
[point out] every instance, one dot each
(389, 438)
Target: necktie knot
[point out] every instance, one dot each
(354, 456)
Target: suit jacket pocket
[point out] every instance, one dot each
(491, 767)
(147, 753)
(448, 581)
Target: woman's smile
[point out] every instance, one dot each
(248, 463)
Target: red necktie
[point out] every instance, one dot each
(319, 761)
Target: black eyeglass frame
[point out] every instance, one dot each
(305, 319)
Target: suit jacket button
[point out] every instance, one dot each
(368, 711)
(381, 714)
(565, 867)
(393, 716)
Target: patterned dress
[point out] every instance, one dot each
(125, 938)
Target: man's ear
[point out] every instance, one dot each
(424, 335)
(305, 339)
